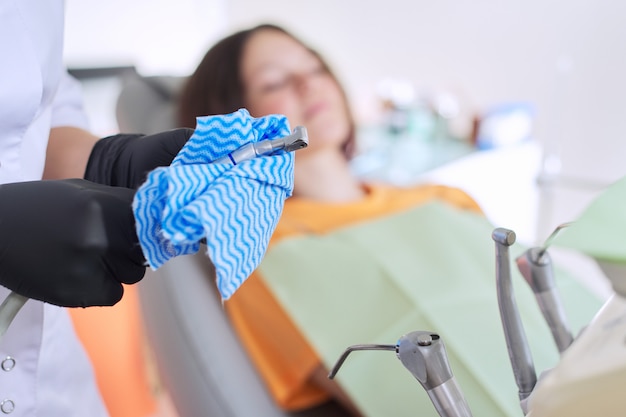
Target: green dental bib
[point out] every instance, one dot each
(431, 268)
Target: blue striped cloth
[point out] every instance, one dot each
(236, 208)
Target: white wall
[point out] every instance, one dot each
(157, 36)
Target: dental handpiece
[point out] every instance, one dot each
(536, 268)
(514, 334)
(424, 355)
(297, 140)
(535, 265)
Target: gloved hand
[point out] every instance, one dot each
(125, 160)
(69, 242)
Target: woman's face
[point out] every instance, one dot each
(282, 76)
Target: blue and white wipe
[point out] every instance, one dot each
(235, 207)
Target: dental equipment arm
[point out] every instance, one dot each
(535, 265)
(517, 344)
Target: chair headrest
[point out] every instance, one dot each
(148, 104)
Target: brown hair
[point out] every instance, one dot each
(216, 86)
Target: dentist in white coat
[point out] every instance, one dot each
(44, 254)
(43, 368)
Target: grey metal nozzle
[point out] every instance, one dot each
(353, 348)
(424, 355)
(9, 309)
(299, 139)
(550, 238)
(517, 345)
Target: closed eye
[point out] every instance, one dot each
(276, 85)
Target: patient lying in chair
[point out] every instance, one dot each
(333, 275)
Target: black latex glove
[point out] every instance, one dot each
(70, 242)
(126, 160)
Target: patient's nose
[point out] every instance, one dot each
(303, 82)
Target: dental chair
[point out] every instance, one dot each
(199, 358)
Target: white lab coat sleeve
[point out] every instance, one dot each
(67, 104)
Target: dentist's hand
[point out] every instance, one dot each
(71, 242)
(125, 160)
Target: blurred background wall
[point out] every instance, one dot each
(564, 56)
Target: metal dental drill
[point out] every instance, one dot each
(424, 355)
(535, 266)
(517, 345)
(299, 139)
